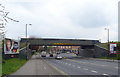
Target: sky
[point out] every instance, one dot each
(65, 19)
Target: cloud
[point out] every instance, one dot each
(62, 19)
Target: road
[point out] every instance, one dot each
(85, 67)
(71, 66)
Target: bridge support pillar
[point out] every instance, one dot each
(87, 51)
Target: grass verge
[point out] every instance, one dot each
(0, 69)
(12, 65)
(0, 62)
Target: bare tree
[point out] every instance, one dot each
(3, 20)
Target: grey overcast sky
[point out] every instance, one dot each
(73, 19)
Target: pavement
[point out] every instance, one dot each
(38, 66)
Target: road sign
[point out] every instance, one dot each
(113, 48)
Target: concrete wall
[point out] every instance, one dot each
(100, 52)
(94, 53)
(86, 52)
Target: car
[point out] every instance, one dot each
(58, 53)
(58, 57)
(51, 55)
(43, 54)
(67, 52)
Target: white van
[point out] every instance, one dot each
(43, 54)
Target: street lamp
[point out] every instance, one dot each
(26, 39)
(26, 29)
(108, 38)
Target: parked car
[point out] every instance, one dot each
(58, 57)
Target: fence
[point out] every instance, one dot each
(25, 53)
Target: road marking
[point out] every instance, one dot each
(94, 71)
(103, 65)
(78, 67)
(85, 68)
(56, 68)
(104, 74)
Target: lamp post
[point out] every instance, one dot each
(108, 39)
(26, 40)
(26, 29)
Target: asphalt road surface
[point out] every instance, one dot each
(71, 66)
(85, 67)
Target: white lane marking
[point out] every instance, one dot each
(66, 63)
(94, 71)
(63, 73)
(103, 65)
(104, 74)
(85, 68)
(78, 67)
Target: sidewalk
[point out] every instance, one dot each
(37, 66)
